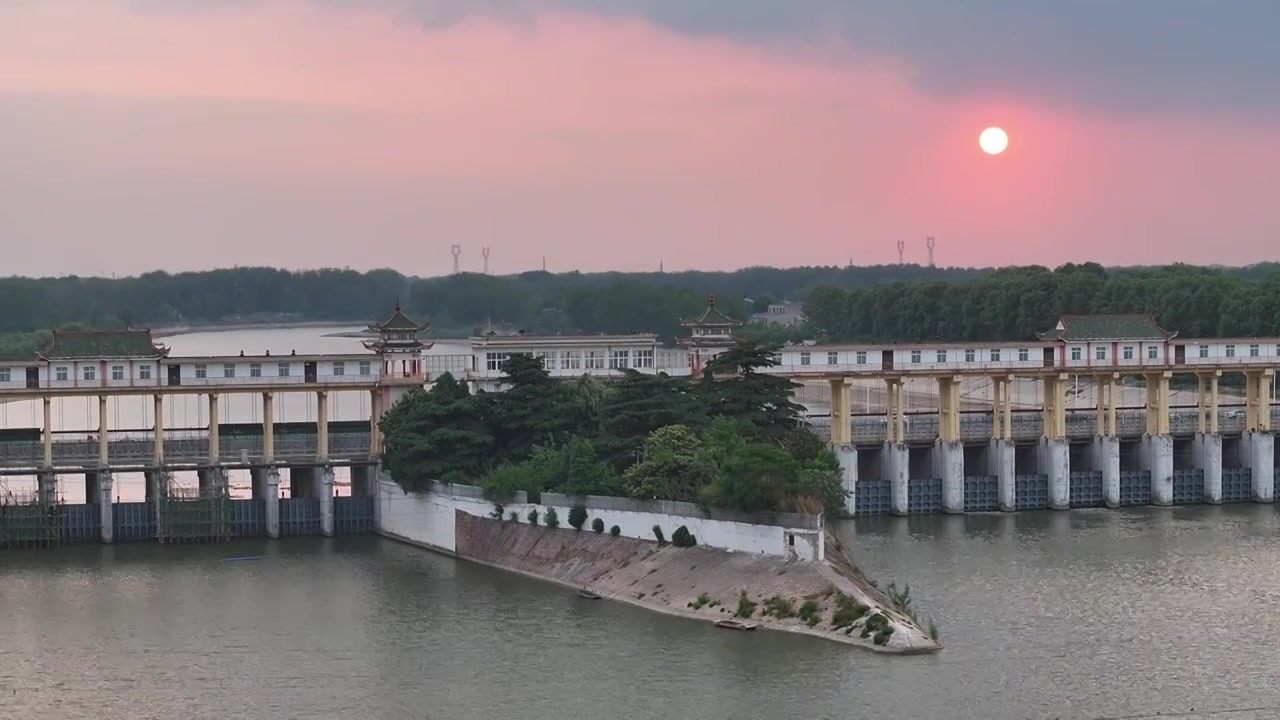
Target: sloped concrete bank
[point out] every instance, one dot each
(823, 599)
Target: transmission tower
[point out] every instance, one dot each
(456, 250)
(484, 251)
(929, 242)
(902, 246)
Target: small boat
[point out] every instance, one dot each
(585, 593)
(735, 625)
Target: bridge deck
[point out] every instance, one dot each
(139, 452)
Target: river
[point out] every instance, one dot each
(1082, 614)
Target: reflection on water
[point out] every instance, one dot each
(1082, 614)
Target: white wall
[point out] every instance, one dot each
(428, 518)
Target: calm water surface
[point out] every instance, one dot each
(1085, 614)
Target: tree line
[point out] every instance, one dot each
(885, 303)
(732, 438)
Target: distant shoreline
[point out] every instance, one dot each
(174, 330)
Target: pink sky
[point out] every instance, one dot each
(297, 135)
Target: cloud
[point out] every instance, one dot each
(1184, 55)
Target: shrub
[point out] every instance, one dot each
(577, 516)
(901, 599)
(745, 606)
(875, 624)
(847, 612)
(883, 635)
(933, 631)
(779, 607)
(514, 516)
(809, 613)
(597, 525)
(533, 516)
(551, 519)
(497, 511)
(701, 601)
(683, 538)
(615, 531)
(657, 532)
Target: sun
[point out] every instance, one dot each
(993, 141)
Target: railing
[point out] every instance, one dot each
(183, 450)
(1029, 425)
(212, 381)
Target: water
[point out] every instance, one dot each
(1084, 614)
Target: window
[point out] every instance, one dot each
(366, 367)
(804, 358)
(833, 358)
(776, 358)
(282, 370)
(117, 372)
(642, 359)
(1253, 350)
(1075, 353)
(1153, 352)
(1100, 352)
(546, 359)
(995, 356)
(571, 360)
(1204, 351)
(593, 360)
(1023, 354)
(618, 359)
(1128, 352)
(5, 376)
(255, 370)
(144, 372)
(1277, 348)
(60, 374)
(942, 356)
(492, 361)
(339, 368)
(202, 372)
(1231, 351)
(915, 356)
(860, 357)
(970, 355)
(228, 370)
(89, 372)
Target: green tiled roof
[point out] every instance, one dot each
(70, 344)
(712, 317)
(398, 321)
(1084, 328)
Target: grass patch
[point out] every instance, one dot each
(848, 611)
(703, 600)
(746, 607)
(809, 613)
(779, 607)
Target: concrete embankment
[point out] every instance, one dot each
(697, 582)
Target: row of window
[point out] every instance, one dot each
(1127, 352)
(1254, 350)
(580, 359)
(62, 373)
(917, 356)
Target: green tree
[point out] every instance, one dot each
(673, 467)
(433, 434)
(640, 404)
(734, 386)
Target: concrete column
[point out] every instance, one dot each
(848, 457)
(106, 508)
(46, 433)
(266, 487)
(948, 464)
(895, 419)
(156, 481)
(997, 412)
(322, 425)
(1106, 459)
(1206, 455)
(895, 466)
(215, 439)
(1054, 460)
(324, 489)
(104, 430)
(1213, 402)
(47, 487)
(1055, 406)
(1000, 462)
(1262, 451)
(158, 430)
(379, 476)
(268, 429)
(1156, 456)
(375, 420)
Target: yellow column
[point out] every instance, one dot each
(46, 434)
(1008, 407)
(949, 409)
(375, 417)
(1213, 401)
(322, 425)
(157, 429)
(1055, 406)
(997, 413)
(1157, 407)
(1201, 420)
(1257, 400)
(268, 428)
(104, 445)
(1264, 399)
(214, 438)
